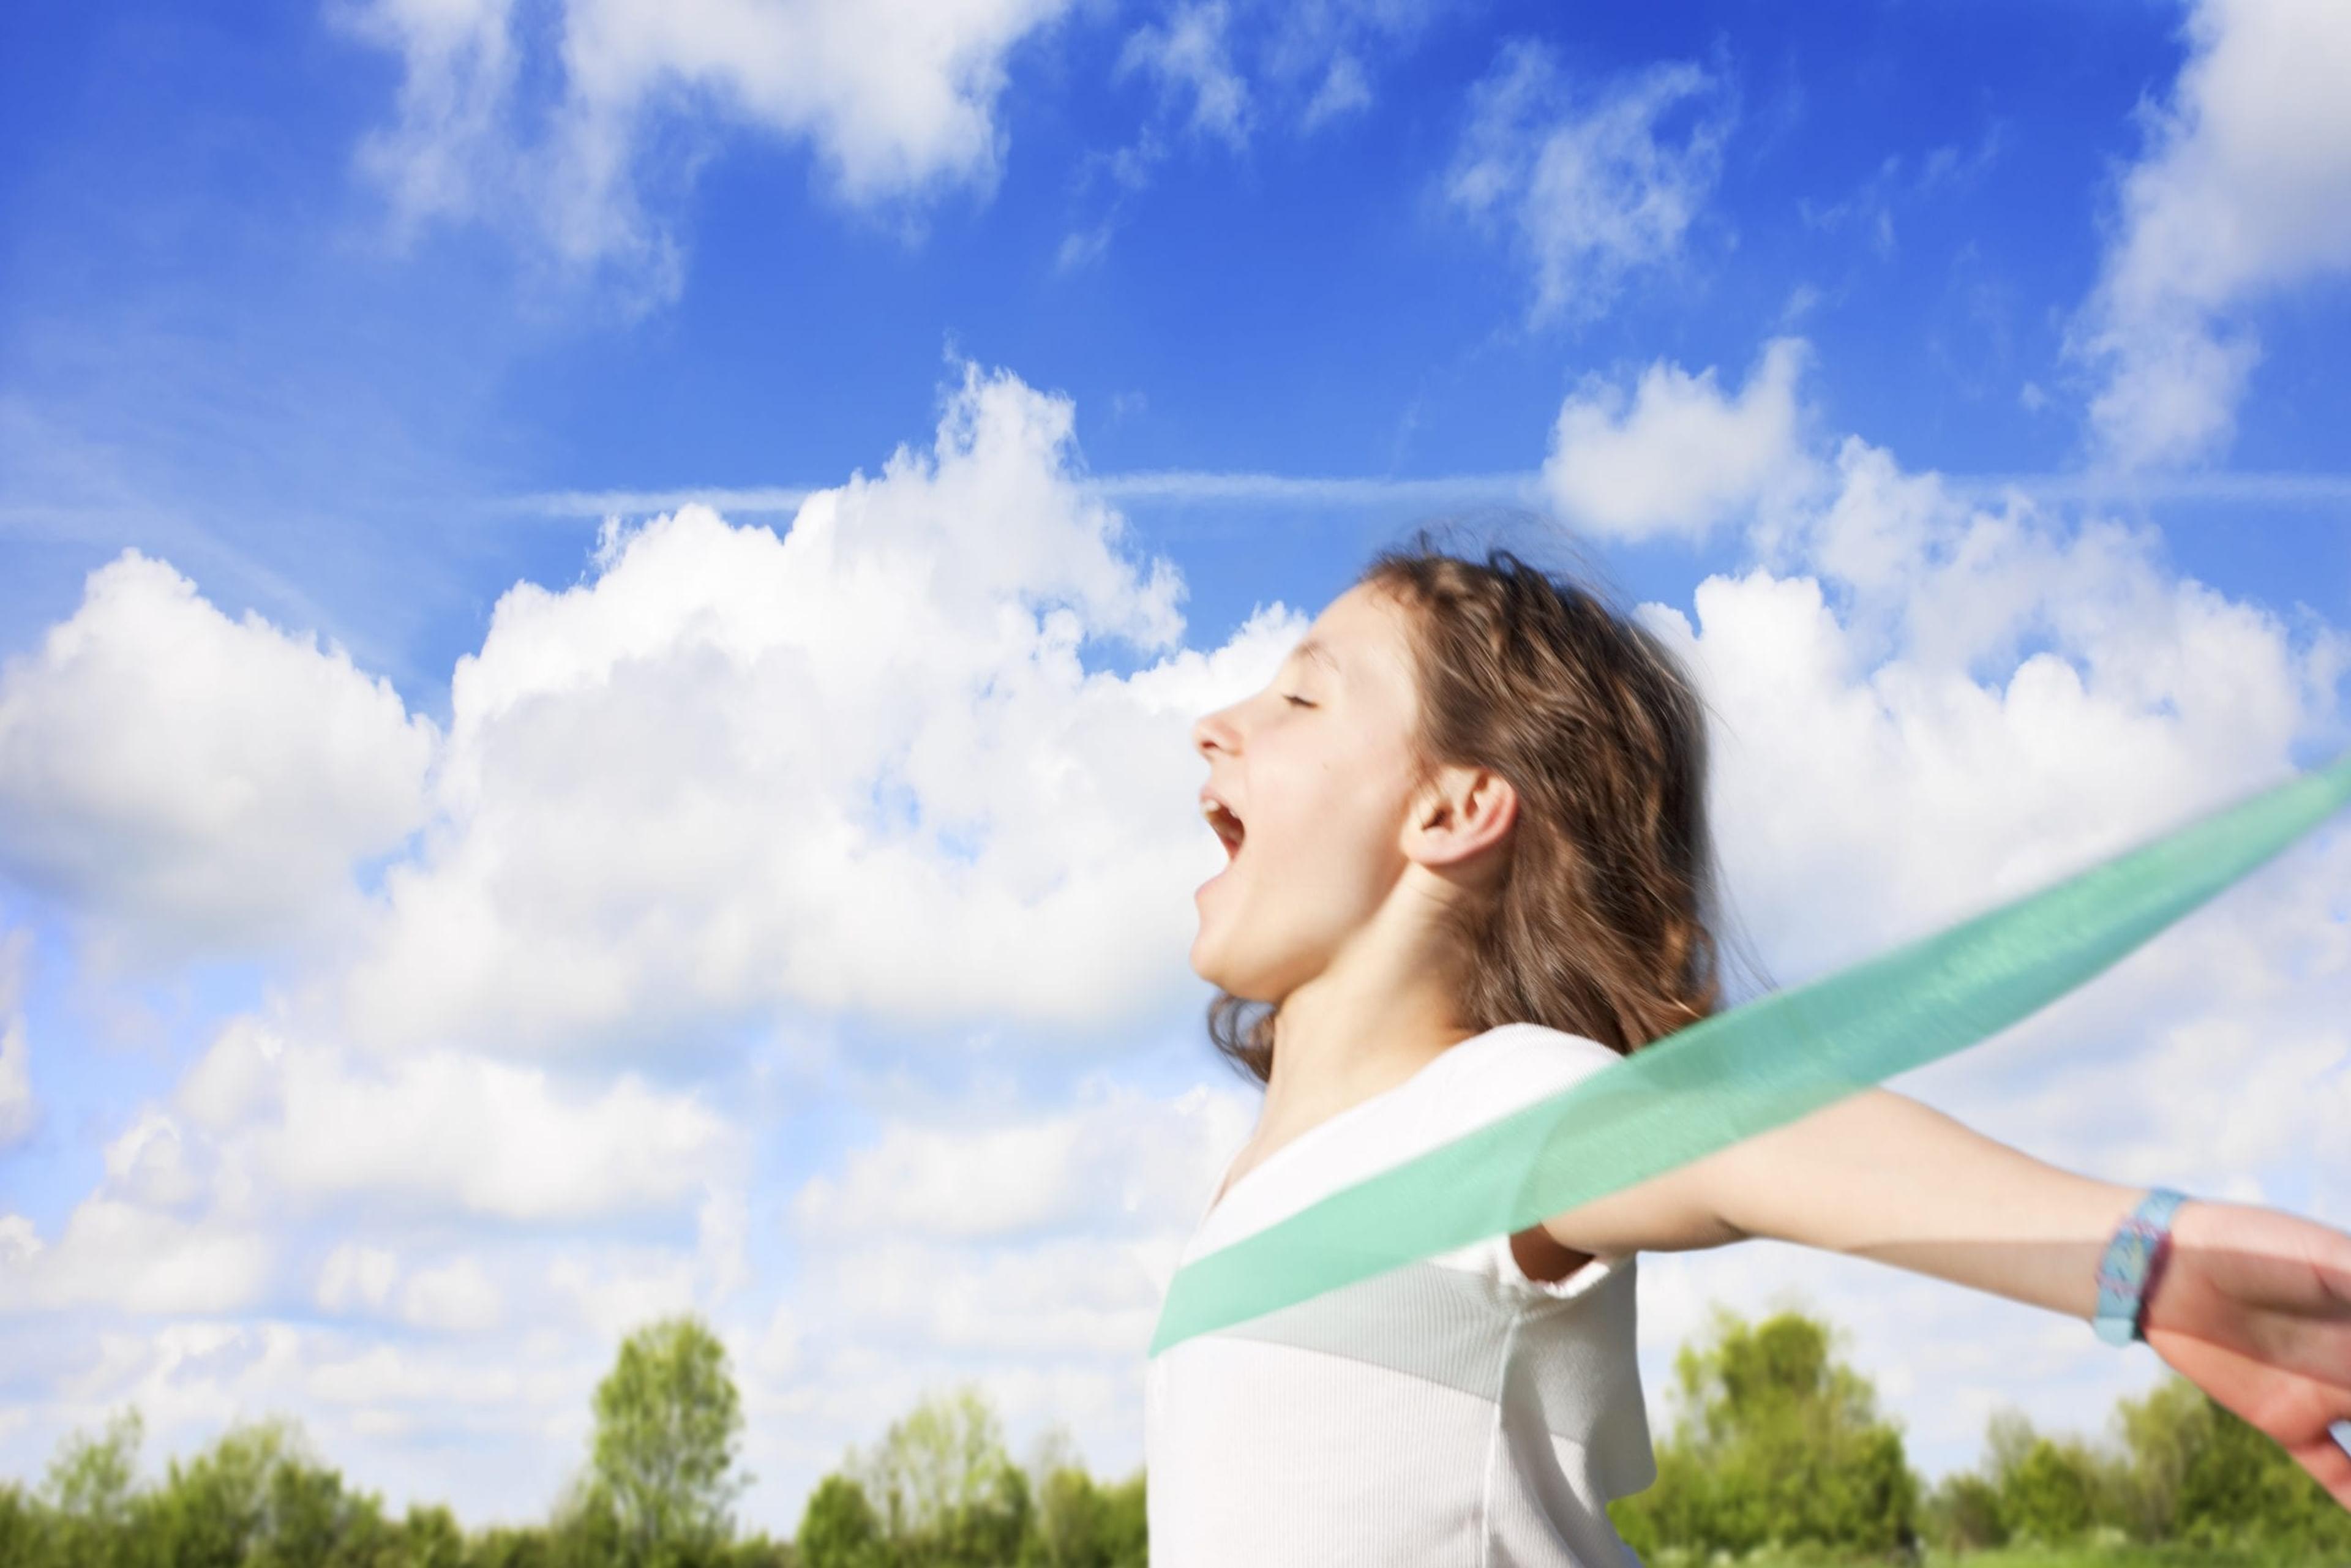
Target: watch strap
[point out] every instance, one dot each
(2129, 1267)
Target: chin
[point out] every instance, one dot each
(1204, 963)
(1218, 969)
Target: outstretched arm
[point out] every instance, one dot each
(2254, 1306)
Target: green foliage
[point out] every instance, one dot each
(2239, 1488)
(2182, 1472)
(944, 1488)
(839, 1529)
(660, 1481)
(668, 1422)
(1081, 1524)
(939, 1492)
(1778, 1444)
(2051, 1495)
(1964, 1514)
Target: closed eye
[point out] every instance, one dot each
(1295, 700)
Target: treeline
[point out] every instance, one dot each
(658, 1490)
(940, 1491)
(1777, 1446)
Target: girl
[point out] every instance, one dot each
(1467, 865)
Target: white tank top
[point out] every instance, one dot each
(1453, 1413)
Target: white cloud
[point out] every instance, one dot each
(236, 1077)
(449, 1131)
(18, 1108)
(1344, 91)
(356, 1276)
(117, 1255)
(1115, 1159)
(195, 784)
(1188, 56)
(455, 1297)
(897, 98)
(1681, 457)
(2244, 190)
(731, 780)
(1969, 703)
(1327, 50)
(1057, 1298)
(1223, 69)
(149, 1164)
(862, 767)
(1590, 192)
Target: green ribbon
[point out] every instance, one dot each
(1744, 1072)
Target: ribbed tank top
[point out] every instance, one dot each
(1453, 1413)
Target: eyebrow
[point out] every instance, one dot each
(1311, 649)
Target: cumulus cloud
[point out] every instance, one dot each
(149, 1164)
(1115, 1159)
(1679, 457)
(357, 1276)
(117, 1255)
(2244, 190)
(455, 1297)
(922, 758)
(863, 767)
(443, 1132)
(2041, 693)
(897, 100)
(1590, 187)
(195, 785)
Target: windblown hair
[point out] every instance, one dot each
(1602, 922)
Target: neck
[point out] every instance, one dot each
(1382, 1009)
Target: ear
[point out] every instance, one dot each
(1461, 813)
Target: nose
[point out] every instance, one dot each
(1212, 732)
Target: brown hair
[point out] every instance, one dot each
(1601, 923)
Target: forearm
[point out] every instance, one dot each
(1879, 1175)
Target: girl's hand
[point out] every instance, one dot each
(2254, 1308)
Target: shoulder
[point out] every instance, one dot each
(1521, 1062)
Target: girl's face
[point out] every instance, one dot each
(1310, 783)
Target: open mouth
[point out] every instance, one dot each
(1227, 826)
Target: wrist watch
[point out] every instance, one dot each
(2132, 1261)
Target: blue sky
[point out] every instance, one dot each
(2010, 335)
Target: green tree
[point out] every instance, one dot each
(839, 1529)
(2238, 1487)
(668, 1425)
(211, 1511)
(91, 1488)
(946, 1491)
(1081, 1523)
(2051, 1494)
(1777, 1442)
(429, 1538)
(2161, 1433)
(1125, 1536)
(506, 1546)
(1963, 1513)
(25, 1527)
